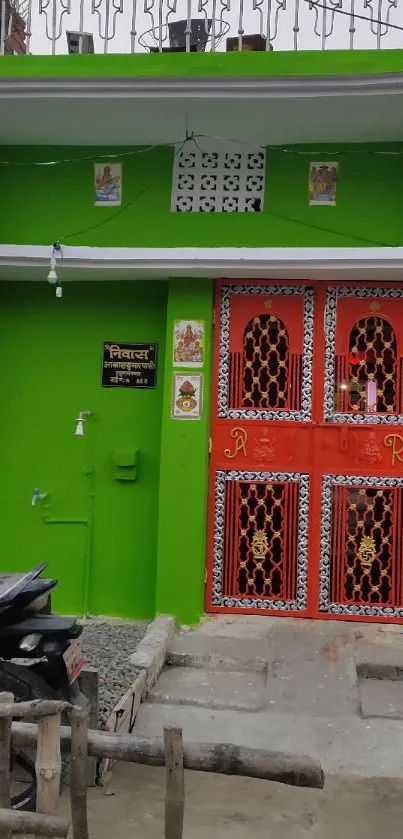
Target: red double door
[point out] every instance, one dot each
(306, 465)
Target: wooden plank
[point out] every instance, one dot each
(78, 782)
(48, 764)
(89, 686)
(124, 714)
(6, 701)
(35, 708)
(34, 823)
(175, 783)
(222, 758)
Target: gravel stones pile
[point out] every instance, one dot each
(107, 647)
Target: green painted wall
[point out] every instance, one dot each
(315, 63)
(43, 204)
(52, 353)
(184, 472)
(146, 550)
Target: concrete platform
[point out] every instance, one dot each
(308, 700)
(210, 689)
(345, 745)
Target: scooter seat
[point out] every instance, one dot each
(43, 625)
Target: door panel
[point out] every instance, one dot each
(260, 541)
(361, 546)
(363, 359)
(358, 452)
(262, 448)
(264, 352)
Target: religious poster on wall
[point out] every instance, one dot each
(129, 365)
(188, 343)
(323, 183)
(187, 396)
(108, 184)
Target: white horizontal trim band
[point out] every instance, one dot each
(228, 87)
(121, 263)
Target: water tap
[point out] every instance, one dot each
(37, 495)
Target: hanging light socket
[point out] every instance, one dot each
(52, 276)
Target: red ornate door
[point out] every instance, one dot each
(305, 502)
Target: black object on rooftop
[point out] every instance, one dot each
(250, 43)
(199, 36)
(73, 42)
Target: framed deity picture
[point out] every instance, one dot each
(187, 396)
(323, 179)
(107, 184)
(188, 343)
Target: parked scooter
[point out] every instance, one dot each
(40, 657)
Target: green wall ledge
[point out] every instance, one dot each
(194, 65)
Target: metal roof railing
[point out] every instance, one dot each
(131, 26)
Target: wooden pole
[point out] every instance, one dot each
(34, 708)
(79, 764)
(175, 783)
(223, 758)
(48, 764)
(6, 701)
(17, 821)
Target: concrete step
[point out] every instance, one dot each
(381, 698)
(240, 691)
(194, 649)
(310, 686)
(381, 661)
(237, 627)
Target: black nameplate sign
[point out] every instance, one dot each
(129, 365)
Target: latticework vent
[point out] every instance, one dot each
(218, 181)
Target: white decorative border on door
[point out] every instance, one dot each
(325, 604)
(218, 599)
(305, 414)
(332, 296)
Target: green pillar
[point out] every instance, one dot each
(182, 528)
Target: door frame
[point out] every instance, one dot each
(314, 554)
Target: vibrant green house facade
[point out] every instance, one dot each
(123, 523)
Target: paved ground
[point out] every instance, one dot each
(232, 808)
(304, 688)
(291, 685)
